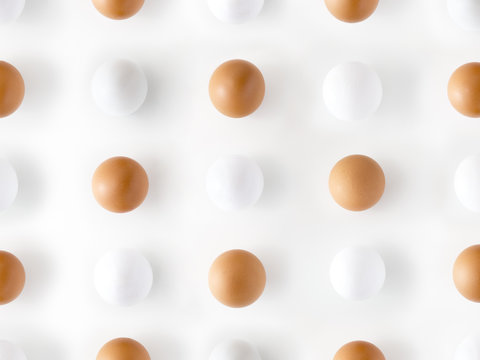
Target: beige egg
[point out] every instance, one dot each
(359, 350)
(466, 273)
(118, 9)
(464, 89)
(12, 277)
(351, 11)
(123, 349)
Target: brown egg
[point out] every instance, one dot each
(359, 350)
(12, 277)
(118, 9)
(120, 184)
(237, 88)
(466, 273)
(351, 11)
(12, 89)
(356, 182)
(237, 278)
(123, 349)
(464, 89)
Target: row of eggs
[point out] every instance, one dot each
(465, 13)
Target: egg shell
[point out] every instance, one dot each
(120, 184)
(468, 349)
(118, 9)
(123, 277)
(466, 273)
(10, 10)
(356, 182)
(12, 277)
(8, 184)
(11, 351)
(466, 13)
(235, 11)
(359, 350)
(352, 91)
(12, 89)
(464, 89)
(237, 278)
(235, 349)
(237, 88)
(467, 182)
(351, 11)
(123, 349)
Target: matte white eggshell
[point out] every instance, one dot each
(234, 182)
(352, 91)
(467, 182)
(10, 351)
(8, 184)
(123, 277)
(357, 273)
(468, 349)
(10, 10)
(119, 87)
(235, 11)
(465, 13)
(235, 350)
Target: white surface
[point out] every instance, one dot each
(123, 277)
(235, 350)
(469, 348)
(467, 182)
(466, 13)
(235, 11)
(8, 184)
(10, 10)
(11, 351)
(58, 137)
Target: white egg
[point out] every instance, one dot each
(467, 182)
(10, 351)
(357, 273)
(469, 349)
(8, 184)
(119, 87)
(123, 277)
(10, 10)
(235, 350)
(235, 11)
(466, 13)
(234, 182)
(352, 91)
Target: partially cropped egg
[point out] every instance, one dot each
(235, 11)
(8, 184)
(234, 182)
(10, 10)
(357, 273)
(468, 349)
(237, 88)
(466, 273)
(12, 278)
(120, 184)
(467, 182)
(119, 87)
(12, 89)
(352, 91)
(359, 350)
(123, 349)
(351, 11)
(235, 350)
(123, 277)
(237, 278)
(464, 89)
(118, 9)
(11, 351)
(466, 13)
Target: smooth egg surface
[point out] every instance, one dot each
(12, 277)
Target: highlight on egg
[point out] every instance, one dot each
(237, 278)
(12, 89)
(235, 349)
(12, 278)
(123, 277)
(359, 350)
(467, 182)
(351, 11)
(235, 11)
(10, 10)
(118, 9)
(469, 348)
(465, 13)
(466, 272)
(8, 184)
(11, 351)
(123, 349)
(119, 87)
(464, 89)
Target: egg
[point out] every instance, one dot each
(357, 273)
(359, 350)
(464, 89)
(468, 349)
(12, 278)
(237, 88)
(467, 182)
(234, 182)
(352, 91)
(235, 349)
(351, 11)
(356, 182)
(235, 11)
(466, 13)
(10, 351)
(120, 184)
(237, 278)
(10, 10)
(12, 89)
(123, 349)
(8, 184)
(466, 272)
(123, 277)
(118, 9)
(119, 87)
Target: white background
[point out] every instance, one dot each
(58, 137)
